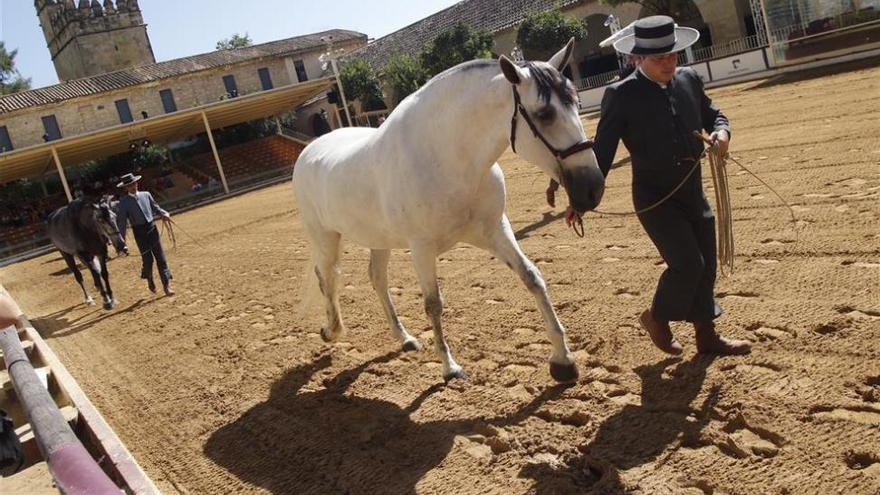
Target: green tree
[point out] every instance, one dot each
(457, 44)
(10, 80)
(359, 82)
(543, 33)
(235, 41)
(404, 74)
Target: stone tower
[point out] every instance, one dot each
(94, 38)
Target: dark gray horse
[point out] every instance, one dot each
(83, 229)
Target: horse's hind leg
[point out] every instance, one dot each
(379, 278)
(71, 263)
(326, 247)
(502, 244)
(425, 263)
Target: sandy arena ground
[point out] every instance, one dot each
(227, 388)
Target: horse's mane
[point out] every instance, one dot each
(547, 79)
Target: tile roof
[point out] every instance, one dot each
(163, 70)
(491, 15)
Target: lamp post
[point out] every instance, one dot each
(332, 58)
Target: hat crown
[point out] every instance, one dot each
(653, 27)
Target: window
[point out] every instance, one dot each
(123, 111)
(5, 142)
(231, 88)
(265, 78)
(168, 100)
(50, 125)
(300, 71)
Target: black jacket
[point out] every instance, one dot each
(656, 126)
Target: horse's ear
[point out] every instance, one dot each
(562, 57)
(513, 73)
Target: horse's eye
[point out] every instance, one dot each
(546, 114)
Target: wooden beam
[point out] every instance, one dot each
(61, 174)
(214, 150)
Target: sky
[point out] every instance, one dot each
(178, 28)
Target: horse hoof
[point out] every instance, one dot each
(330, 337)
(457, 373)
(412, 345)
(90, 302)
(108, 305)
(564, 373)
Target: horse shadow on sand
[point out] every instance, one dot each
(61, 323)
(637, 434)
(329, 441)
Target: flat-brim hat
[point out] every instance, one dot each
(656, 35)
(128, 179)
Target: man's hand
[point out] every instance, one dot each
(722, 138)
(166, 217)
(551, 193)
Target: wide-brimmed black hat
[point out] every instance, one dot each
(656, 35)
(128, 179)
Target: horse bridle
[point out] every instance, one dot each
(560, 155)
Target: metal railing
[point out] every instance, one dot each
(597, 80)
(730, 48)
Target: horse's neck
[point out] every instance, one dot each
(469, 115)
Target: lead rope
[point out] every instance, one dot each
(718, 165)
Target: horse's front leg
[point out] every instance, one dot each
(424, 259)
(106, 276)
(95, 269)
(379, 279)
(502, 244)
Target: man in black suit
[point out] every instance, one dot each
(655, 110)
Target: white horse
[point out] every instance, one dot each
(428, 178)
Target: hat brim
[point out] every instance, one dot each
(684, 37)
(123, 184)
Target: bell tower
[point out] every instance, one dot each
(94, 37)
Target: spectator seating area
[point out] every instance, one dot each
(240, 161)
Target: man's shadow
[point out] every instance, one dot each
(637, 434)
(329, 441)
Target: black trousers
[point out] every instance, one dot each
(686, 241)
(150, 245)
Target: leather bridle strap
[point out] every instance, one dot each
(560, 155)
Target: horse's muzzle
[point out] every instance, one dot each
(121, 248)
(585, 187)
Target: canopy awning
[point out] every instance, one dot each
(36, 160)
